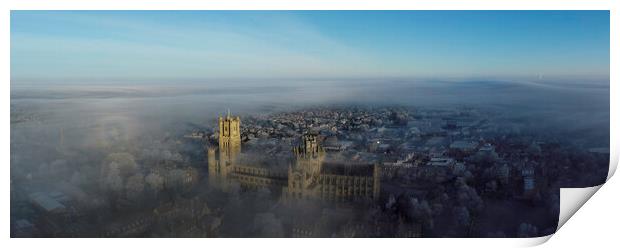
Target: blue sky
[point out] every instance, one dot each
(97, 45)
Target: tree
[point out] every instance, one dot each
(113, 181)
(527, 230)
(121, 161)
(134, 186)
(154, 182)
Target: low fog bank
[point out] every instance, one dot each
(574, 107)
(103, 139)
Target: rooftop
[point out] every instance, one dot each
(464, 145)
(46, 202)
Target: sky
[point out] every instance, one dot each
(146, 45)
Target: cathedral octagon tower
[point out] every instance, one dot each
(309, 155)
(304, 175)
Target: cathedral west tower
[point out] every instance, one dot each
(229, 139)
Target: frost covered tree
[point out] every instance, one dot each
(134, 188)
(527, 230)
(154, 182)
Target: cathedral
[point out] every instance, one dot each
(308, 177)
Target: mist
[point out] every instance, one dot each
(79, 139)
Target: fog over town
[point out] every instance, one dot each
(441, 158)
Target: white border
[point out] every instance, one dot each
(305, 5)
(312, 4)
